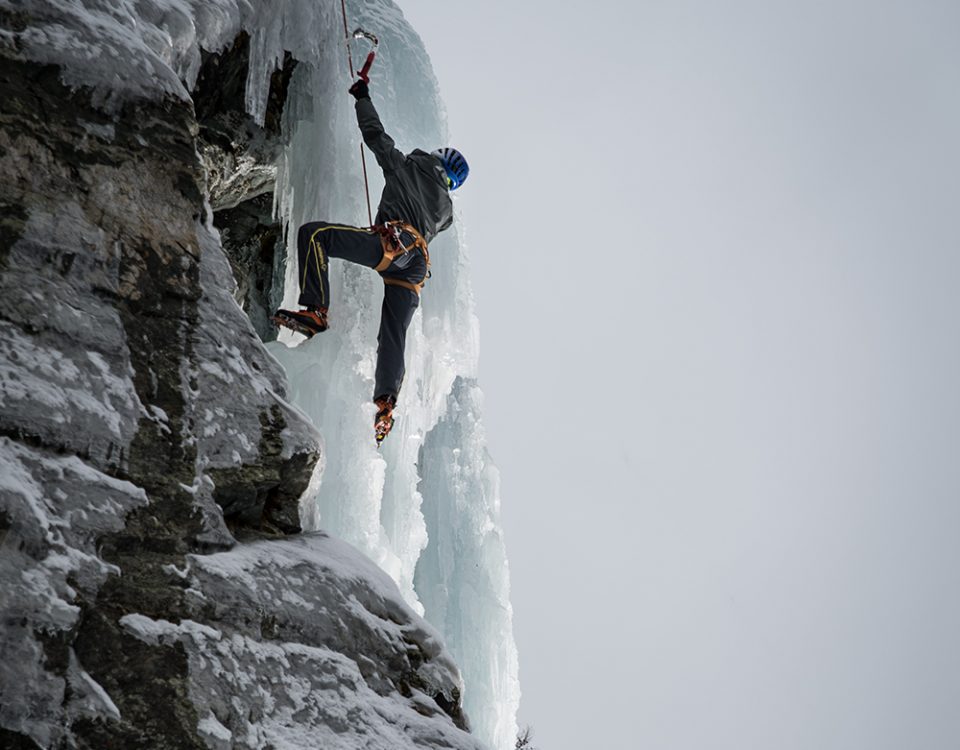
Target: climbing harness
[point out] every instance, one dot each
(364, 74)
(391, 239)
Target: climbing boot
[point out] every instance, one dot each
(383, 422)
(308, 322)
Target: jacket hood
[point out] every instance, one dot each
(429, 164)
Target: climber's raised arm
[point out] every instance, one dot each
(389, 157)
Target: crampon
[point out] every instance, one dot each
(307, 322)
(383, 422)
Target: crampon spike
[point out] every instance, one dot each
(382, 428)
(384, 420)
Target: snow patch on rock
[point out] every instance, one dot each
(54, 507)
(309, 669)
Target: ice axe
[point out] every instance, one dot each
(364, 72)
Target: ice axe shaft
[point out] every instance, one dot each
(364, 72)
(365, 76)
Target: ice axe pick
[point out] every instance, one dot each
(364, 72)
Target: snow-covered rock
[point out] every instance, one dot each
(304, 642)
(145, 430)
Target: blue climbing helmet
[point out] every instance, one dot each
(455, 164)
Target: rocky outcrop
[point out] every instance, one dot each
(135, 394)
(306, 643)
(151, 468)
(253, 240)
(239, 158)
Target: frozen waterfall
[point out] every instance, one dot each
(375, 500)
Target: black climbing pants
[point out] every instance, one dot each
(318, 241)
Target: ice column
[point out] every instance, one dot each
(462, 576)
(373, 499)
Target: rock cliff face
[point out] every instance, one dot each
(150, 466)
(239, 157)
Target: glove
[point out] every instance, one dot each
(360, 90)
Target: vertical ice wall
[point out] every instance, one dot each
(372, 499)
(461, 579)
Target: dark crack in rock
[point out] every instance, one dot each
(240, 159)
(254, 243)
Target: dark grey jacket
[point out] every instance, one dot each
(416, 184)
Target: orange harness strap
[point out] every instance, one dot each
(415, 288)
(394, 248)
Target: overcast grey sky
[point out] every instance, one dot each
(716, 255)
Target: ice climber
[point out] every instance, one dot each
(414, 207)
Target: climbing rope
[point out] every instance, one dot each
(363, 157)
